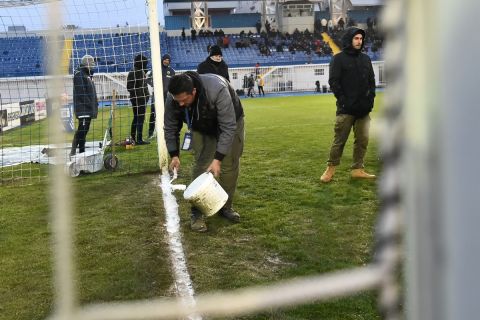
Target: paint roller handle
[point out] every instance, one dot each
(175, 175)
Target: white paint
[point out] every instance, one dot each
(183, 283)
(180, 187)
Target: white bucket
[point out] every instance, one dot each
(206, 194)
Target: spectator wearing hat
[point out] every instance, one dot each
(85, 102)
(167, 73)
(214, 64)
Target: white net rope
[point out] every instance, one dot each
(114, 34)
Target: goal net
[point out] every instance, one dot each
(113, 127)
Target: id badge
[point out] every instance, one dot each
(187, 141)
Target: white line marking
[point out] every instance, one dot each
(183, 283)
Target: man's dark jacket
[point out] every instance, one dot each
(210, 66)
(137, 80)
(167, 73)
(351, 78)
(85, 102)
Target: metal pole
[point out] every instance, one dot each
(60, 188)
(157, 83)
(442, 176)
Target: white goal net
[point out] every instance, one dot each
(114, 34)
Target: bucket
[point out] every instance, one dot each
(206, 194)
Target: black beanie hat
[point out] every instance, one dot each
(141, 62)
(215, 51)
(166, 56)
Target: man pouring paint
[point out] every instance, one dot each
(209, 106)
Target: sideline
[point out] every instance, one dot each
(183, 283)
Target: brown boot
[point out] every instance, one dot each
(361, 174)
(328, 174)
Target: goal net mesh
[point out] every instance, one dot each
(114, 34)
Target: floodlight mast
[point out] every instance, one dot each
(338, 9)
(199, 15)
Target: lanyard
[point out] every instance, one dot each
(188, 119)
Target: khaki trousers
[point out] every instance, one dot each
(204, 148)
(343, 125)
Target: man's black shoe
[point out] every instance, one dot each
(139, 143)
(198, 224)
(229, 214)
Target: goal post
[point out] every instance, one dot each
(158, 83)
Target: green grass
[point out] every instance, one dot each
(37, 134)
(292, 225)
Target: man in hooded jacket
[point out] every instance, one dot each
(85, 102)
(214, 115)
(214, 64)
(353, 83)
(138, 88)
(167, 73)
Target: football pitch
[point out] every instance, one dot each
(292, 224)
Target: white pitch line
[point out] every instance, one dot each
(183, 284)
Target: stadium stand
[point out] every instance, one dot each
(235, 20)
(361, 16)
(21, 56)
(177, 22)
(113, 53)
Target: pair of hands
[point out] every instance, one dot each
(214, 167)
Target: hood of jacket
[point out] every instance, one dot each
(141, 62)
(214, 63)
(87, 71)
(348, 37)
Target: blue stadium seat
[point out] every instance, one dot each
(20, 56)
(115, 52)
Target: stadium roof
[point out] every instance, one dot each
(354, 2)
(367, 3)
(19, 3)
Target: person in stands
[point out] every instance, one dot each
(214, 63)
